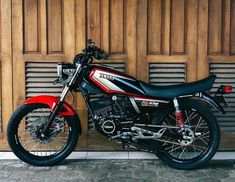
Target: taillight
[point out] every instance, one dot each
(224, 89)
(227, 89)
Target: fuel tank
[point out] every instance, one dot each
(111, 81)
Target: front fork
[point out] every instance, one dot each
(61, 100)
(178, 113)
(56, 110)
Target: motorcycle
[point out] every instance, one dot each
(174, 122)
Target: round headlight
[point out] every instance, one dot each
(59, 70)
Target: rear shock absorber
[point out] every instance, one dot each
(178, 114)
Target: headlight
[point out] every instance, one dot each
(64, 70)
(59, 70)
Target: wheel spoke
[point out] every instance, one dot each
(197, 129)
(30, 138)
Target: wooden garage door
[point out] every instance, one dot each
(46, 32)
(188, 40)
(158, 41)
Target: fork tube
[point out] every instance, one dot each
(61, 100)
(56, 109)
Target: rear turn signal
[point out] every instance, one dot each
(227, 89)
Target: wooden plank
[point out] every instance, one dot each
(166, 27)
(6, 42)
(178, 19)
(202, 40)
(0, 96)
(142, 64)
(93, 21)
(69, 29)
(160, 58)
(131, 20)
(215, 27)
(227, 20)
(105, 25)
(43, 26)
(232, 31)
(221, 59)
(18, 62)
(192, 40)
(0, 32)
(116, 26)
(154, 26)
(31, 26)
(41, 57)
(80, 10)
(55, 26)
(227, 141)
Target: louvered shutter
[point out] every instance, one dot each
(225, 73)
(166, 73)
(40, 77)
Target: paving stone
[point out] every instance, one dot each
(64, 167)
(114, 170)
(192, 174)
(145, 174)
(208, 179)
(121, 173)
(16, 167)
(39, 168)
(229, 179)
(4, 174)
(217, 173)
(8, 180)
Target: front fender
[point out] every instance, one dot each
(51, 101)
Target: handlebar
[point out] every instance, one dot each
(89, 52)
(95, 51)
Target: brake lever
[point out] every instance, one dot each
(57, 81)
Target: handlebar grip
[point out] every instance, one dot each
(104, 56)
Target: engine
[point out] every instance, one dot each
(111, 114)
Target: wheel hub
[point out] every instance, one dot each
(187, 137)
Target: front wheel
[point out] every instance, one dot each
(196, 143)
(27, 143)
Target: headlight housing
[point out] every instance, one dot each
(59, 70)
(63, 69)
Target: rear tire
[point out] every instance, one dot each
(26, 156)
(204, 112)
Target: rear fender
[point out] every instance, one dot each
(51, 101)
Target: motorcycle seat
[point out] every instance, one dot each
(172, 91)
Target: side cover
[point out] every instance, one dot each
(51, 101)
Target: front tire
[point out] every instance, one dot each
(211, 143)
(26, 121)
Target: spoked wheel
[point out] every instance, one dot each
(30, 145)
(193, 145)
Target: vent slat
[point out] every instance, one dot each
(39, 79)
(166, 73)
(225, 73)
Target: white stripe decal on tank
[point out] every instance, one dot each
(104, 77)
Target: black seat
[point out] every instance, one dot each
(172, 91)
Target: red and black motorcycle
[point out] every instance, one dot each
(174, 122)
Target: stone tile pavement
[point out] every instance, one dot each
(97, 170)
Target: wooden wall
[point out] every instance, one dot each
(189, 35)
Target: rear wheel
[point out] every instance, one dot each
(196, 143)
(27, 142)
